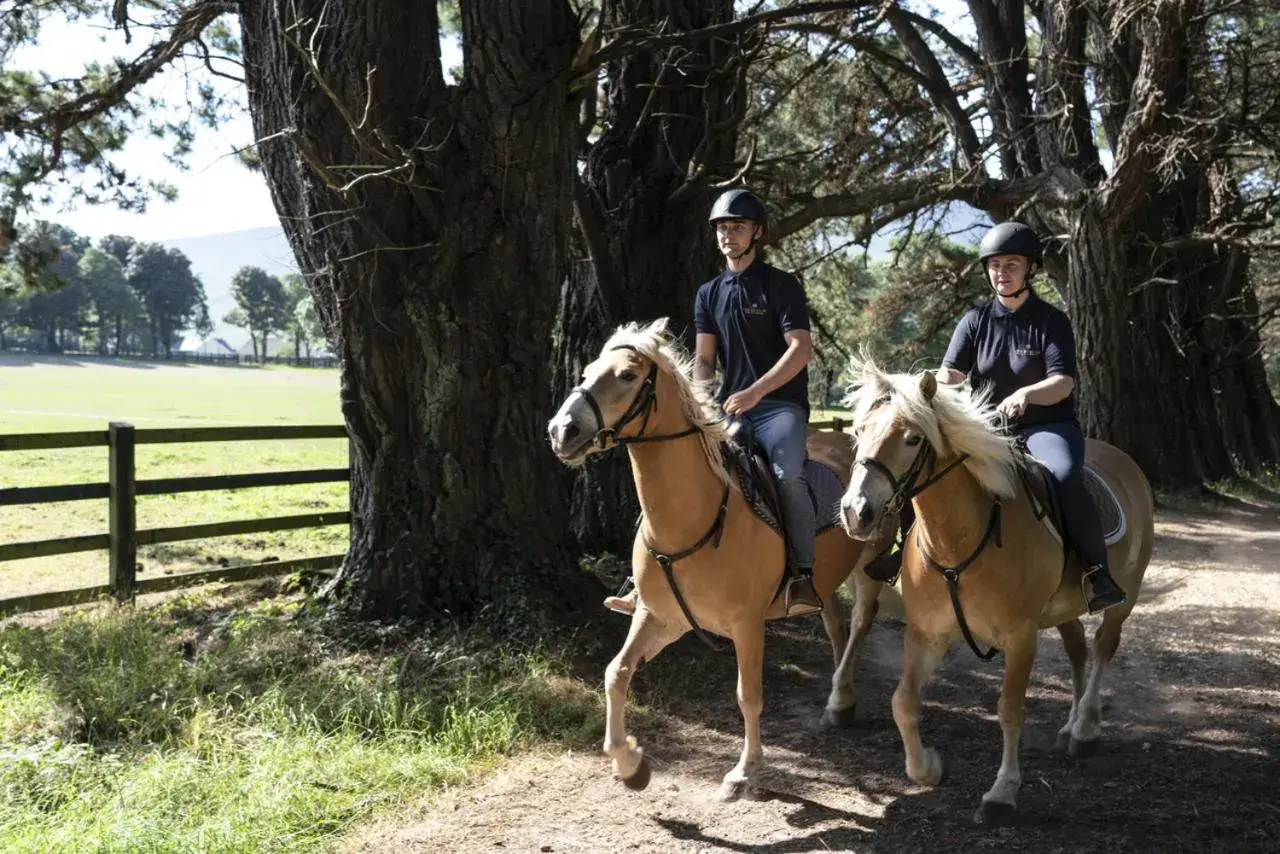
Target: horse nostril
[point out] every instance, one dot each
(865, 515)
(571, 432)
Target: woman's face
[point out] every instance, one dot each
(1007, 273)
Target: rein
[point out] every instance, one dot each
(905, 489)
(646, 403)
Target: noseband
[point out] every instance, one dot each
(644, 404)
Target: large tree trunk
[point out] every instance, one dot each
(1169, 361)
(644, 245)
(439, 279)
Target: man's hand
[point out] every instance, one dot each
(1014, 405)
(742, 402)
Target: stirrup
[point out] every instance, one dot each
(800, 608)
(1086, 591)
(624, 601)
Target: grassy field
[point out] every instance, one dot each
(220, 722)
(49, 395)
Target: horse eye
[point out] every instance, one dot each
(627, 376)
(912, 441)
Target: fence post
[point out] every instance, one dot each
(123, 495)
(838, 423)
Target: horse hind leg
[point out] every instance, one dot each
(833, 622)
(843, 699)
(1078, 654)
(647, 637)
(1000, 803)
(1087, 729)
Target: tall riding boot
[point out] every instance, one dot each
(884, 568)
(1100, 589)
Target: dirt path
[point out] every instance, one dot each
(1190, 760)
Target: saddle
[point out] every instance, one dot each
(755, 478)
(1043, 495)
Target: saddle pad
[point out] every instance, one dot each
(758, 487)
(1113, 524)
(826, 490)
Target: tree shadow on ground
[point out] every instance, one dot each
(1188, 760)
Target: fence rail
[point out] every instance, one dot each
(122, 489)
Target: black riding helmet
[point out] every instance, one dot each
(738, 204)
(1011, 238)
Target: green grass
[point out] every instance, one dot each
(220, 724)
(828, 414)
(49, 395)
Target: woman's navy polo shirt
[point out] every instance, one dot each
(1014, 349)
(749, 312)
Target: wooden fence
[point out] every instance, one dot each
(121, 491)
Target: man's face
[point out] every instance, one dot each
(733, 236)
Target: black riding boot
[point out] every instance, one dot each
(884, 568)
(801, 597)
(1100, 589)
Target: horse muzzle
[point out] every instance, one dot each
(568, 439)
(859, 517)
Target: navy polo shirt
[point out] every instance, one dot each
(1014, 349)
(749, 312)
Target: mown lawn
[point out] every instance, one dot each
(49, 395)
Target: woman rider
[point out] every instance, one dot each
(1024, 348)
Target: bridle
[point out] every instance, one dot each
(904, 489)
(645, 403)
(642, 406)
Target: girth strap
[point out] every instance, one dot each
(951, 574)
(667, 561)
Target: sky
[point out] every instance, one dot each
(216, 194)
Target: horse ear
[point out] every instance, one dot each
(659, 326)
(928, 385)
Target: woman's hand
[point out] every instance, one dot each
(1014, 405)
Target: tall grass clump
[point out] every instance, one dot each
(210, 726)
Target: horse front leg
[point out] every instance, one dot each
(647, 637)
(842, 702)
(1000, 803)
(749, 648)
(921, 656)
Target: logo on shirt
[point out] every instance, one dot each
(1026, 352)
(755, 310)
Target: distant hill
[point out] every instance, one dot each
(216, 257)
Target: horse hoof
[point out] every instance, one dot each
(639, 781)
(839, 718)
(1082, 749)
(996, 814)
(1063, 743)
(733, 790)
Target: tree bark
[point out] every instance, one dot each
(438, 278)
(643, 243)
(1169, 358)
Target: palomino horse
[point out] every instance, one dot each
(701, 556)
(977, 536)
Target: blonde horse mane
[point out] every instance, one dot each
(954, 420)
(696, 398)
